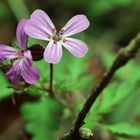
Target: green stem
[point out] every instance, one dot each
(51, 81)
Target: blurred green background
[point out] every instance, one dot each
(27, 113)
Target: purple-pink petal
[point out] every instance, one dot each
(53, 52)
(29, 73)
(23, 69)
(35, 30)
(75, 25)
(76, 47)
(39, 26)
(28, 56)
(14, 73)
(7, 52)
(21, 35)
(43, 19)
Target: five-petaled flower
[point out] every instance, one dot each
(22, 67)
(39, 26)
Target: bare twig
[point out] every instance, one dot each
(124, 55)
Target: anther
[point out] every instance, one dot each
(57, 34)
(49, 36)
(61, 31)
(55, 42)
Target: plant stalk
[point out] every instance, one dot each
(51, 93)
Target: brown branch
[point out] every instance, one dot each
(124, 55)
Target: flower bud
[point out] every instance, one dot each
(37, 52)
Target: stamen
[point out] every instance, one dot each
(49, 36)
(55, 42)
(62, 31)
(57, 34)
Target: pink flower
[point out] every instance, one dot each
(41, 27)
(22, 67)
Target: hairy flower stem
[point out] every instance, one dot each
(51, 93)
(124, 55)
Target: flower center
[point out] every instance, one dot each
(58, 36)
(20, 55)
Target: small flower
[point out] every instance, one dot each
(41, 27)
(22, 67)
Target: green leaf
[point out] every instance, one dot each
(67, 74)
(123, 129)
(43, 118)
(19, 9)
(70, 71)
(124, 89)
(4, 10)
(5, 91)
(126, 92)
(107, 101)
(35, 91)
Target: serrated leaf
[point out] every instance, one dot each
(69, 73)
(5, 91)
(123, 129)
(43, 118)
